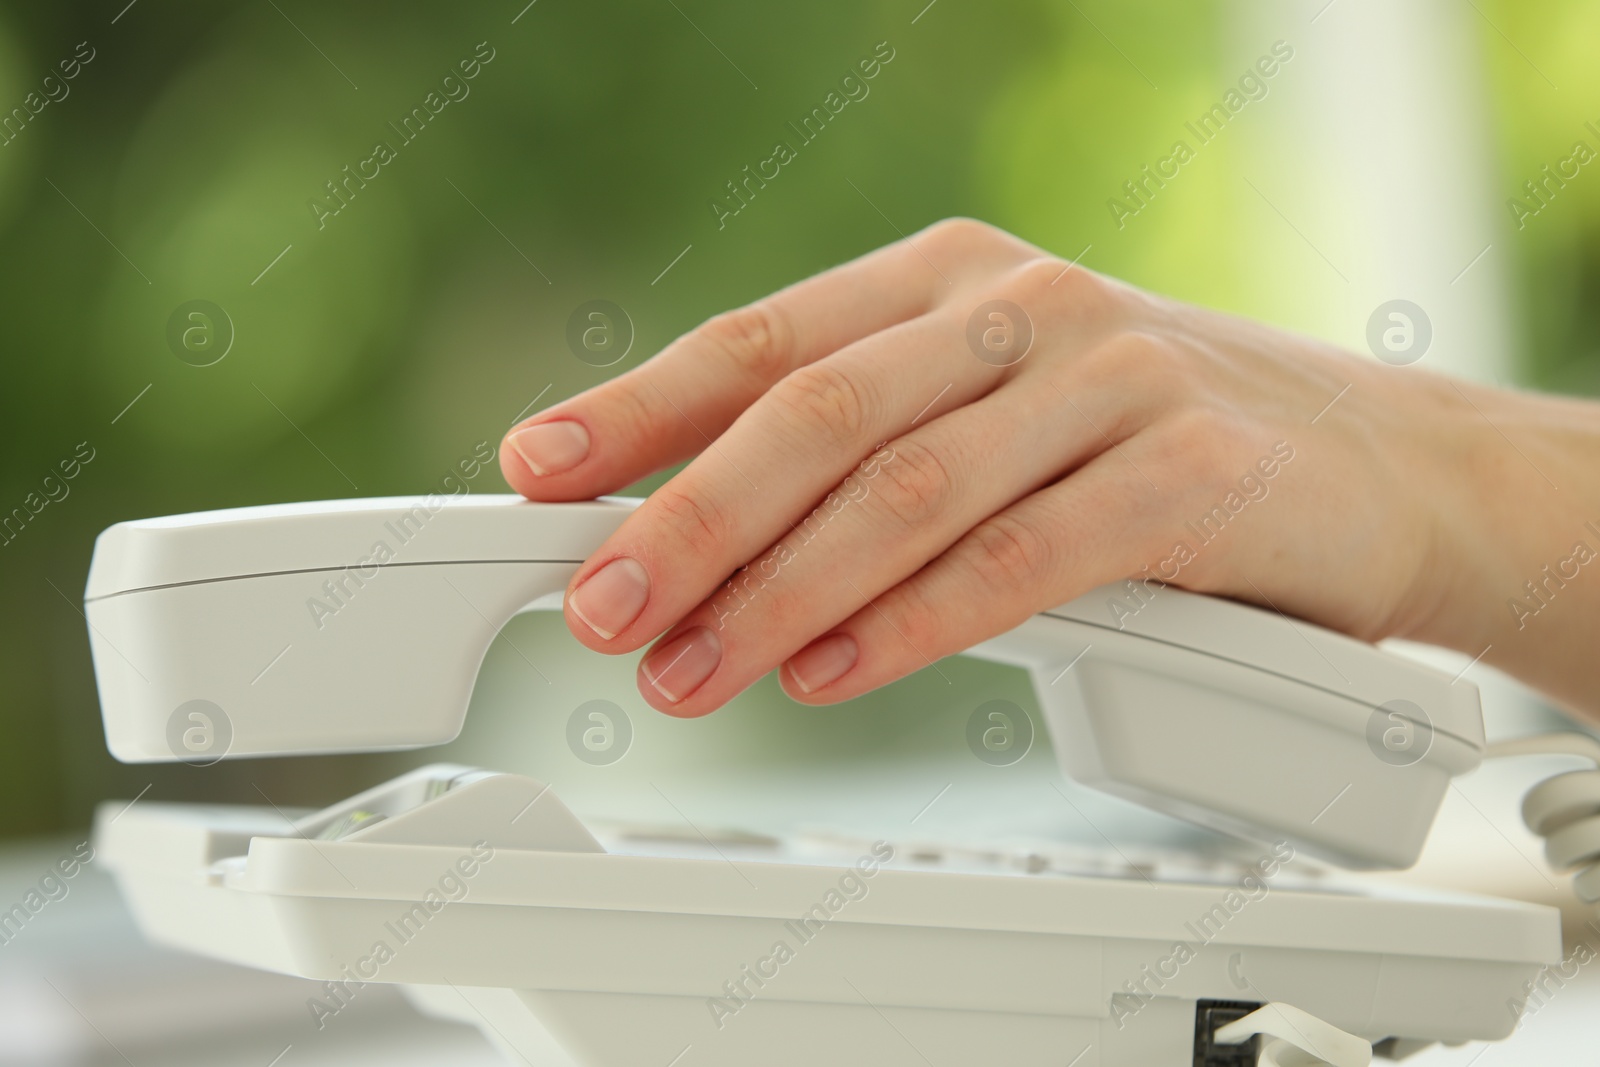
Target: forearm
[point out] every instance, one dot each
(1523, 525)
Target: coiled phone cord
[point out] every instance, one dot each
(1564, 809)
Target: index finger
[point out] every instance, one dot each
(678, 402)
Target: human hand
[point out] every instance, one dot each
(903, 485)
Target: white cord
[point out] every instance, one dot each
(1564, 809)
(1295, 1038)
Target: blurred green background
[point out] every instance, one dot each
(372, 352)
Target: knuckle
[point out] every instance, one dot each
(635, 407)
(1040, 276)
(1066, 283)
(823, 398)
(1008, 553)
(758, 339)
(1199, 423)
(1206, 441)
(917, 486)
(1131, 354)
(958, 234)
(921, 625)
(693, 521)
(1082, 289)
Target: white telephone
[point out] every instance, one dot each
(361, 625)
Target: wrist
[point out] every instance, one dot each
(1515, 577)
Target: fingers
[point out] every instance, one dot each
(1097, 525)
(769, 470)
(798, 442)
(675, 404)
(907, 505)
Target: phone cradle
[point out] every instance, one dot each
(493, 904)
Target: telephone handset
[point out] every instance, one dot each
(360, 625)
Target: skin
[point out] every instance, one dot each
(967, 496)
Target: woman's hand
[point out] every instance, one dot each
(888, 470)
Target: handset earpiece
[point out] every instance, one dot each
(332, 626)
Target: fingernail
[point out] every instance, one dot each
(823, 661)
(552, 447)
(678, 667)
(612, 597)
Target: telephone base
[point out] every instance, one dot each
(568, 944)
